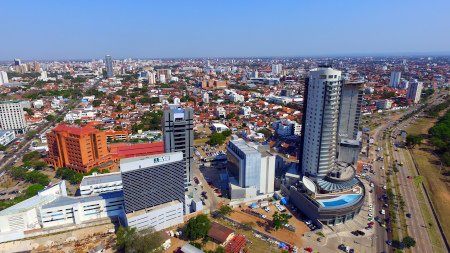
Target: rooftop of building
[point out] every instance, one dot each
(66, 200)
(75, 129)
(101, 179)
(219, 232)
(134, 163)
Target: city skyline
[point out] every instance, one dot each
(177, 29)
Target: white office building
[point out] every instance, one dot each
(276, 69)
(3, 77)
(205, 98)
(158, 217)
(414, 91)
(251, 168)
(286, 127)
(12, 116)
(101, 183)
(394, 82)
(6, 137)
(321, 121)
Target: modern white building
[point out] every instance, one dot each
(395, 79)
(251, 168)
(219, 127)
(205, 97)
(101, 183)
(65, 210)
(158, 217)
(38, 104)
(320, 125)
(384, 104)
(3, 77)
(236, 97)
(220, 112)
(12, 116)
(25, 216)
(415, 91)
(162, 78)
(6, 137)
(286, 127)
(246, 110)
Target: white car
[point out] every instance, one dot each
(384, 187)
(267, 209)
(308, 222)
(383, 212)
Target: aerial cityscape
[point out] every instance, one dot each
(328, 133)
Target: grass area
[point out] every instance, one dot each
(427, 215)
(435, 183)
(257, 244)
(200, 142)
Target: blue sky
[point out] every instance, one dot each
(86, 29)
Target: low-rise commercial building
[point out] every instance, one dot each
(6, 137)
(101, 183)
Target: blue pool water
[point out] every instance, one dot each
(339, 201)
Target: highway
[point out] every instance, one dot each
(415, 225)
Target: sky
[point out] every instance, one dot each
(90, 29)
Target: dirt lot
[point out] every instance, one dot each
(265, 226)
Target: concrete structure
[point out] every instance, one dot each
(6, 137)
(178, 124)
(78, 148)
(205, 97)
(158, 217)
(12, 116)
(395, 79)
(415, 91)
(349, 151)
(384, 104)
(350, 108)
(3, 77)
(101, 183)
(320, 117)
(219, 127)
(109, 66)
(252, 169)
(150, 181)
(220, 112)
(167, 73)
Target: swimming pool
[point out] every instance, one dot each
(340, 201)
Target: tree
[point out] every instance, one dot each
(29, 111)
(267, 133)
(144, 241)
(220, 249)
(34, 189)
(418, 180)
(2, 147)
(231, 115)
(197, 227)
(413, 140)
(216, 139)
(225, 210)
(248, 225)
(50, 117)
(409, 242)
(96, 103)
(279, 219)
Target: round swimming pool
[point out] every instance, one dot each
(340, 201)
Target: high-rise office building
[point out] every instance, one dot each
(350, 108)
(12, 116)
(178, 124)
(276, 69)
(320, 121)
(415, 91)
(253, 168)
(3, 77)
(149, 181)
(17, 62)
(395, 79)
(78, 148)
(109, 66)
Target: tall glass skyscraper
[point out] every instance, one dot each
(109, 66)
(320, 121)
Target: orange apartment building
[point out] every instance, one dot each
(214, 84)
(78, 148)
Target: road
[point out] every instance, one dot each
(416, 227)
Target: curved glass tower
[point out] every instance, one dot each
(320, 119)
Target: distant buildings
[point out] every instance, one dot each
(109, 66)
(178, 124)
(395, 79)
(153, 189)
(415, 91)
(3, 77)
(78, 148)
(167, 73)
(384, 104)
(12, 116)
(276, 69)
(252, 168)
